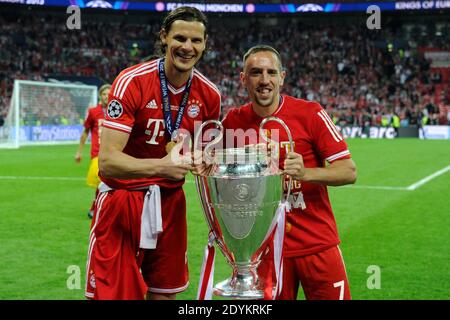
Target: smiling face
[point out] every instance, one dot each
(263, 78)
(185, 43)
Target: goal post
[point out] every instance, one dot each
(46, 113)
(9, 129)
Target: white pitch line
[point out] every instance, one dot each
(412, 187)
(41, 178)
(427, 179)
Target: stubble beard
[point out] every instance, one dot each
(264, 103)
(184, 69)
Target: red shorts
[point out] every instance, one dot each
(322, 276)
(116, 267)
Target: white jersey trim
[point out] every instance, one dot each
(280, 106)
(117, 126)
(174, 290)
(338, 155)
(206, 81)
(122, 92)
(92, 240)
(175, 91)
(121, 80)
(330, 125)
(211, 85)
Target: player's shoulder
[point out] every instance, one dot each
(142, 72)
(237, 113)
(301, 106)
(137, 71)
(205, 83)
(93, 108)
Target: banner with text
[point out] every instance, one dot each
(50, 133)
(435, 132)
(367, 132)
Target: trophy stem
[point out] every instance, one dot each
(244, 284)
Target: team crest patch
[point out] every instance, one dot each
(194, 109)
(92, 281)
(115, 109)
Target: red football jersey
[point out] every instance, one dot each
(93, 122)
(135, 107)
(310, 226)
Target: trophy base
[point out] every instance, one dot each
(241, 289)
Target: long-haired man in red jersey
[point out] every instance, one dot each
(93, 124)
(320, 158)
(138, 239)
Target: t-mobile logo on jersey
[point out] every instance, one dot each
(155, 129)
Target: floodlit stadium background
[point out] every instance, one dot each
(395, 219)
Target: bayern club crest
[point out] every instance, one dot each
(92, 281)
(115, 109)
(194, 109)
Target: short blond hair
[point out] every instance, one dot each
(103, 88)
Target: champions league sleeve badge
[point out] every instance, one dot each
(115, 109)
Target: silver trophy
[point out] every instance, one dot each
(240, 195)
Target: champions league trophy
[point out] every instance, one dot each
(240, 196)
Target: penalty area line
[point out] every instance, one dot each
(427, 179)
(411, 187)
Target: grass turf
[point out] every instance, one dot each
(406, 234)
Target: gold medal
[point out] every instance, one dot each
(170, 145)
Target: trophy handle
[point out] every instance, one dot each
(201, 181)
(267, 139)
(213, 142)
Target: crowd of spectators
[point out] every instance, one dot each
(361, 76)
(350, 70)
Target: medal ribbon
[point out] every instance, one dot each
(166, 102)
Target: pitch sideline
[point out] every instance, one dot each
(411, 187)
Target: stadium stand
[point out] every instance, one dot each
(361, 76)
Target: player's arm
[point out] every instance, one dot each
(337, 173)
(330, 146)
(114, 163)
(83, 139)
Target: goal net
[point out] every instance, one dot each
(46, 113)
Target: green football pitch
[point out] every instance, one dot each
(394, 223)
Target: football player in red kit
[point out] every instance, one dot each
(138, 237)
(311, 257)
(93, 124)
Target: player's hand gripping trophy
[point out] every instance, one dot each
(241, 194)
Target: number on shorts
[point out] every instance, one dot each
(340, 284)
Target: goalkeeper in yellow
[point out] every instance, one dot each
(93, 124)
